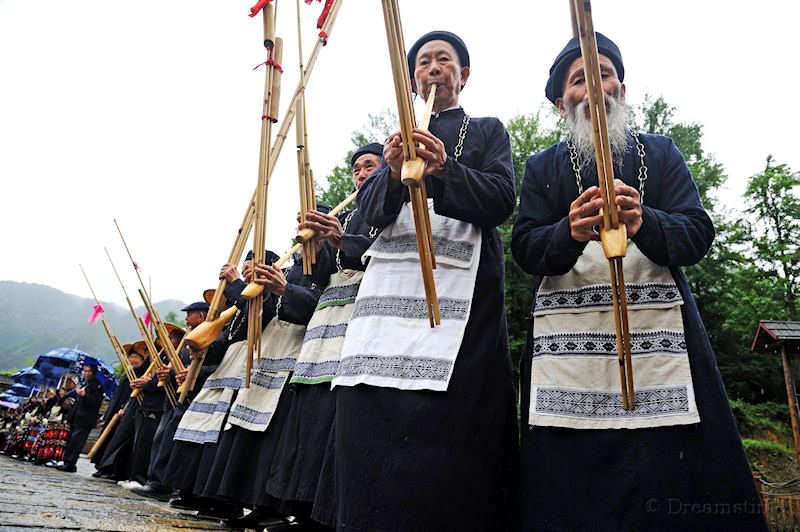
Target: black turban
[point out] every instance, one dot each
(373, 148)
(555, 83)
(452, 38)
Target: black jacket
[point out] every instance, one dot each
(84, 413)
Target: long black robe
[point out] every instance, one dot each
(118, 400)
(116, 458)
(295, 473)
(424, 460)
(185, 461)
(243, 458)
(643, 479)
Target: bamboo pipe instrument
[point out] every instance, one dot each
(308, 200)
(247, 222)
(121, 355)
(146, 375)
(613, 235)
(306, 234)
(255, 291)
(413, 169)
(160, 329)
(104, 435)
(201, 337)
(286, 121)
(156, 361)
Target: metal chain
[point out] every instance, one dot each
(462, 133)
(642, 177)
(642, 167)
(344, 230)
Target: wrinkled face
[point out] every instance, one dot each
(135, 360)
(364, 167)
(575, 84)
(195, 318)
(437, 62)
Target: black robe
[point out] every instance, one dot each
(295, 473)
(424, 460)
(116, 458)
(642, 479)
(118, 400)
(242, 461)
(185, 461)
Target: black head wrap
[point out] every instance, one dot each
(373, 148)
(555, 83)
(452, 38)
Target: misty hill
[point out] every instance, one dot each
(35, 318)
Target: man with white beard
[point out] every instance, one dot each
(675, 461)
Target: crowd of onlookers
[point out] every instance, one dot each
(39, 429)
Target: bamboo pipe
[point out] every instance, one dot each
(158, 324)
(104, 435)
(285, 124)
(280, 138)
(413, 168)
(613, 235)
(306, 234)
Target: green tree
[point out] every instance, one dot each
(339, 183)
(772, 198)
(528, 134)
(172, 317)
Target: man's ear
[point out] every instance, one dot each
(465, 71)
(562, 109)
(622, 92)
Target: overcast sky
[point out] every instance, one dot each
(149, 111)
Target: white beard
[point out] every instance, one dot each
(580, 127)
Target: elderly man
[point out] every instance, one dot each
(675, 461)
(425, 429)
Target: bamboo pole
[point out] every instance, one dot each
(613, 235)
(109, 428)
(413, 169)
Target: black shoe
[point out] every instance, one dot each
(67, 468)
(258, 518)
(160, 494)
(219, 513)
(184, 502)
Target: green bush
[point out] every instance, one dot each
(767, 447)
(754, 418)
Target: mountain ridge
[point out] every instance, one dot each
(28, 332)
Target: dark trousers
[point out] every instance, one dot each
(75, 442)
(162, 445)
(146, 425)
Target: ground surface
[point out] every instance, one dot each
(40, 498)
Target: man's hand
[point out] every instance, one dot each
(271, 278)
(630, 207)
(139, 383)
(81, 392)
(228, 272)
(247, 271)
(326, 228)
(181, 376)
(121, 412)
(163, 374)
(432, 151)
(584, 213)
(393, 154)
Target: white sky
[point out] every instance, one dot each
(149, 111)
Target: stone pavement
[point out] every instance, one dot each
(41, 498)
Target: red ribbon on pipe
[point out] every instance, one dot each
(256, 9)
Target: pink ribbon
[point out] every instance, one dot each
(97, 311)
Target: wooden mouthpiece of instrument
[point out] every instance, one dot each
(201, 336)
(252, 290)
(615, 241)
(412, 172)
